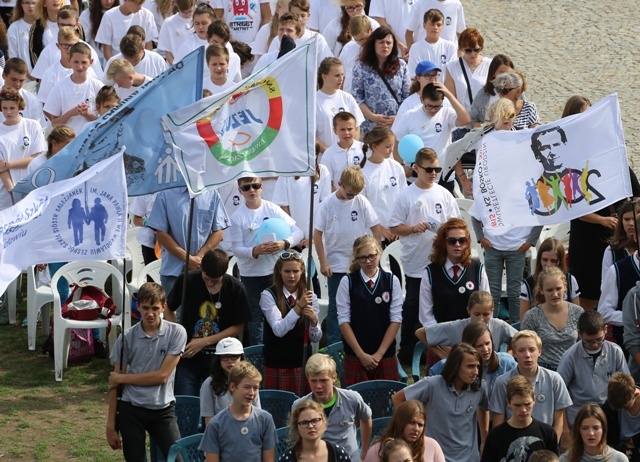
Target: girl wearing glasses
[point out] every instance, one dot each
(369, 314)
(337, 31)
(286, 306)
(307, 425)
(407, 425)
(511, 85)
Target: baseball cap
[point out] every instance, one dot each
(229, 346)
(425, 67)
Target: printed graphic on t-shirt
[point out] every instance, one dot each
(207, 324)
(244, 12)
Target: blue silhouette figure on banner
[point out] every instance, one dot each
(99, 216)
(77, 219)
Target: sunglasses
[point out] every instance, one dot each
(472, 50)
(457, 240)
(366, 258)
(504, 91)
(248, 187)
(430, 169)
(291, 255)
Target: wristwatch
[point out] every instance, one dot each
(287, 244)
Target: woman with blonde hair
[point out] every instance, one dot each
(45, 29)
(307, 424)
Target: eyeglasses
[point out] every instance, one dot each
(504, 91)
(349, 194)
(66, 46)
(248, 187)
(351, 9)
(366, 258)
(472, 50)
(312, 422)
(430, 169)
(457, 240)
(430, 75)
(291, 255)
(229, 357)
(431, 107)
(593, 343)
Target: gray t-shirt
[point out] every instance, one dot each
(143, 353)
(240, 440)
(450, 333)
(212, 404)
(554, 342)
(609, 455)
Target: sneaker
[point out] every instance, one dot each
(101, 350)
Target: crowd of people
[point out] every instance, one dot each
(495, 390)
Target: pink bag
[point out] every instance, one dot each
(81, 345)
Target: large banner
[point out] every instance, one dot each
(149, 161)
(552, 173)
(264, 126)
(82, 218)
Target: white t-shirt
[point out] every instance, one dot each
(332, 32)
(337, 159)
(18, 35)
(215, 89)
(341, 222)
(66, 94)
(349, 56)
(191, 43)
(243, 17)
(17, 142)
(265, 60)
(439, 53)
(126, 92)
(435, 206)
(85, 20)
(50, 34)
(453, 13)
(295, 195)
(141, 206)
(477, 79)
(52, 75)
(232, 200)
(151, 65)
(328, 106)
(260, 45)
(323, 49)
(33, 108)
(383, 184)
(51, 54)
(321, 14)
(394, 12)
(174, 32)
(114, 26)
(152, 7)
(435, 131)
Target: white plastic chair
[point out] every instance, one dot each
(12, 299)
(394, 250)
(37, 298)
(93, 273)
(233, 261)
(152, 270)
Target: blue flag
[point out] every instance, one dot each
(149, 161)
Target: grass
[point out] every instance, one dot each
(44, 420)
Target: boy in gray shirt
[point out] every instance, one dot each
(144, 370)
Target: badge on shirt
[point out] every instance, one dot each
(461, 289)
(470, 409)
(541, 398)
(378, 300)
(386, 297)
(470, 285)
(244, 430)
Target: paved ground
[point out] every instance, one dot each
(566, 48)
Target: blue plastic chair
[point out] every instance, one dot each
(283, 443)
(278, 403)
(418, 351)
(336, 351)
(253, 354)
(377, 394)
(404, 378)
(188, 416)
(378, 426)
(187, 447)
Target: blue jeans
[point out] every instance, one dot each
(254, 285)
(410, 318)
(333, 330)
(187, 382)
(494, 262)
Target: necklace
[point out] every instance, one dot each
(218, 294)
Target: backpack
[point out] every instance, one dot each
(87, 303)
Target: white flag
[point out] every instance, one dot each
(552, 173)
(264, 126)
(81, 218)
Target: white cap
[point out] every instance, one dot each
(229, 346)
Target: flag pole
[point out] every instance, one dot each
(185, 270)
(305, 348)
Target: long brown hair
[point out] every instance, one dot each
(96, 14)
(439, 252)
(496, 62)
(472, 332)
(620, 240)
(368, 54)
(454, 362)
(279, 283)
(403, 415)
(576, 450)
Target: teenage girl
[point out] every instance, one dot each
(330, 100)
(45, 29)
(369, 304)
(384, 176)
(203, 16)
(106, 99)
(550, 253)
(623, 242)
(286, 306)
(24, 15)
(91, 18)
(58, 138)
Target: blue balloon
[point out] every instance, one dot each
(409, 146)
(276, 226)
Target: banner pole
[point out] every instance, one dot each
(305, 348)
(185, 270)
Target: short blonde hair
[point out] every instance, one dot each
(498, 109)
(119, 66)
(244, 370)
(526, 334)
(319, 363)
(68, 33)
(359, 24)
(353, 178)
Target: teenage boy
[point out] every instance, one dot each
(145, 62)
(588, 365)
(360, 29)
(552, 397)
(417, 215)
(521, 435)
(126, 79)
(217, 307)
(622, 409)
(14, 74)
(454, 22)
(347, 151)
(145, 371)
(117, 21)
(217, 57)
(242, 432)
(219, 32)
(72, 100)
(343, 216)
(257, 258)
(343, 408)
(433, 48)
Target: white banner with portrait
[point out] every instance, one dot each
(552, 173)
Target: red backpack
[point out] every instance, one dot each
(87, 303)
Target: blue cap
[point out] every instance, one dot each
(425, 67)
